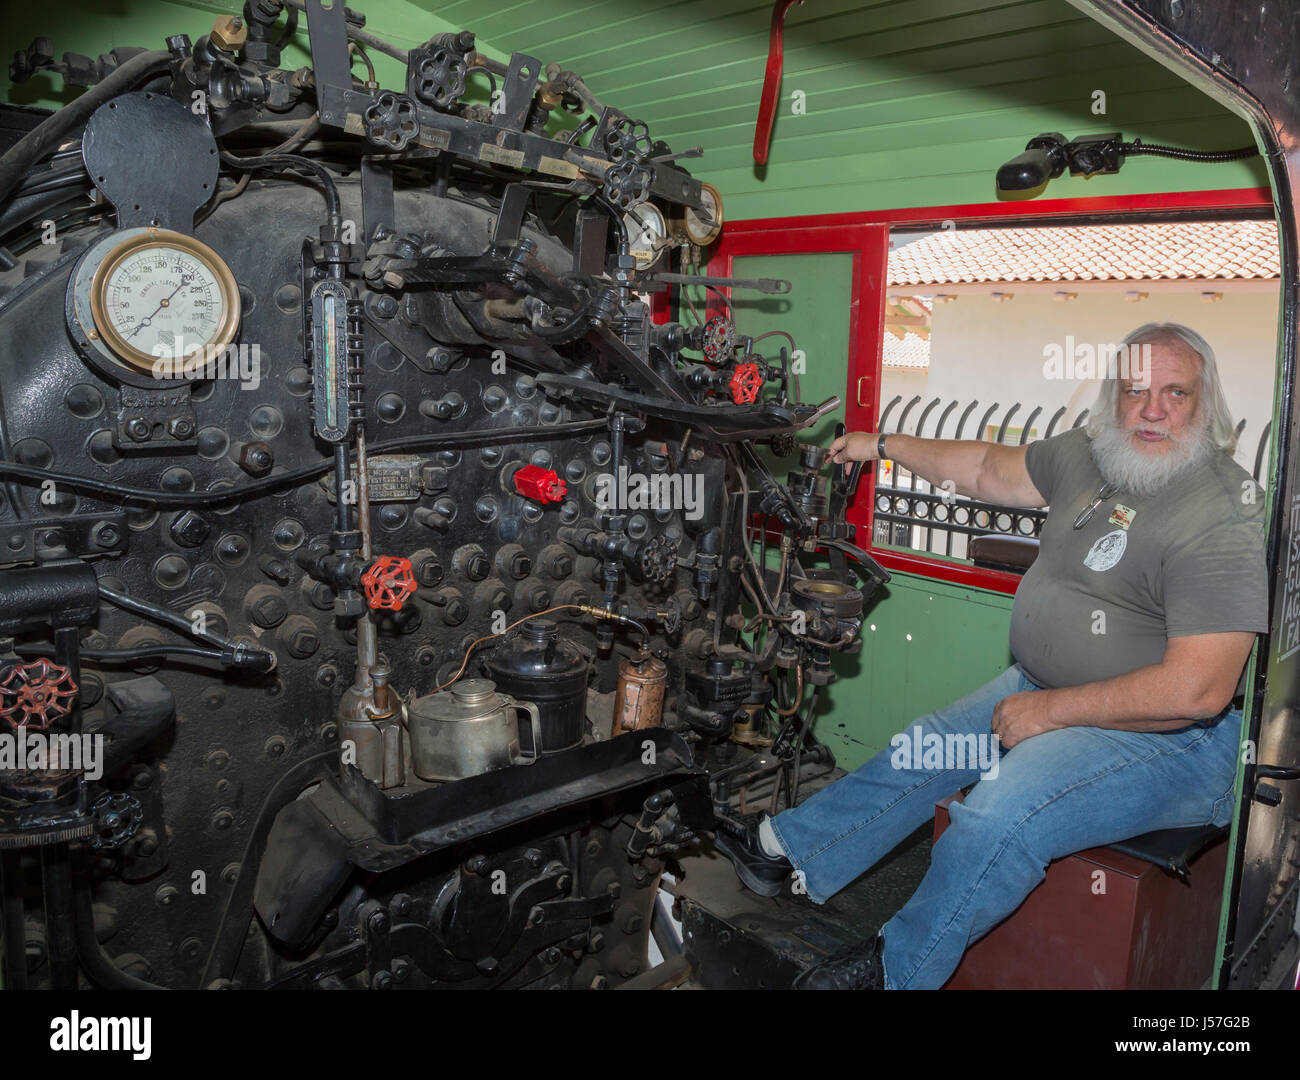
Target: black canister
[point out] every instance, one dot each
(535, 665)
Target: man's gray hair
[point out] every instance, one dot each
(1219, 424)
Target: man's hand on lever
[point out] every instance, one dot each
(981, 470)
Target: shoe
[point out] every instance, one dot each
(761, 872)
(856, 966)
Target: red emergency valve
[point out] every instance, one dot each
(37, 694)
(544, 485)
(388, 582)
(746, 382)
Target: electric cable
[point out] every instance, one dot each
(1138, 147)
(293, 161)
(235, 654)
(49, 133)
(126, 656)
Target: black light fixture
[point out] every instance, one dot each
(1048, 155)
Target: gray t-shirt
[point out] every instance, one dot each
(1101, 600)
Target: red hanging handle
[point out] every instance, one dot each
(771, 80)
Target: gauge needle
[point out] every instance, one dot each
(167, 299)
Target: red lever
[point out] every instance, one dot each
(771, 80)
(746, 382)
(544, 485)
(388, 582)
(40, 692)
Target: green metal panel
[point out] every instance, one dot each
(815, 313)
(924, 644)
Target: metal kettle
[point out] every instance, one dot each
(467, 730)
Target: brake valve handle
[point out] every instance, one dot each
(746, 382)
(541, 485)
(37, 694)
(388, 582)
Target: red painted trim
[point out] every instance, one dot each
(661, 306)
(1228, 199)
(866, 234)
(908, 562)
(869, 245)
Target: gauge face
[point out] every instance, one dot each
(702, 230)
(160, 297)
(647, 233)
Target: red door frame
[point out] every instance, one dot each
(866, 235)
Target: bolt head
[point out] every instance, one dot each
(256, 459)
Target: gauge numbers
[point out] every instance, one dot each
(160, 297)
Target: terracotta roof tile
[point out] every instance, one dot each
(1188, 250)
(911, 351)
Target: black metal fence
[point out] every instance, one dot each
(910, 512)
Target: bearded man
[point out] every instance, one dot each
(1122, 714)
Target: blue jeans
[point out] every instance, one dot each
(1049, 796)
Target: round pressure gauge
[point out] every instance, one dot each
(647, 233)
(158, 297)
(702, 229)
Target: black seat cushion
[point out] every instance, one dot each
(1171, 849)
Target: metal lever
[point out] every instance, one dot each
(771, 286)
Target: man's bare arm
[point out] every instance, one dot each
(981, 470)
(1195, 680)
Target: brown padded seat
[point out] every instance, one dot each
(997, 551)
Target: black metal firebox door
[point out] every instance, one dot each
(1247, 56)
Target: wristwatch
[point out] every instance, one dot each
(880, 446)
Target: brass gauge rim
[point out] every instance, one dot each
(712, 232)
(138, 359)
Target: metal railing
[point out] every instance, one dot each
(910, 512)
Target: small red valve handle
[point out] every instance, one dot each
(388, 582)
(37, 694)
(542, 485)
(746, 382)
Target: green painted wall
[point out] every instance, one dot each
(924, 644)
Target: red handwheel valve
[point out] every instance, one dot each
(37, 694)
(746, 382)
(543, 485)
(388, 582)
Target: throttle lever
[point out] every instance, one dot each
(844, 482)
(877, 572)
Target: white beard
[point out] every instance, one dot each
(1129, 469)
